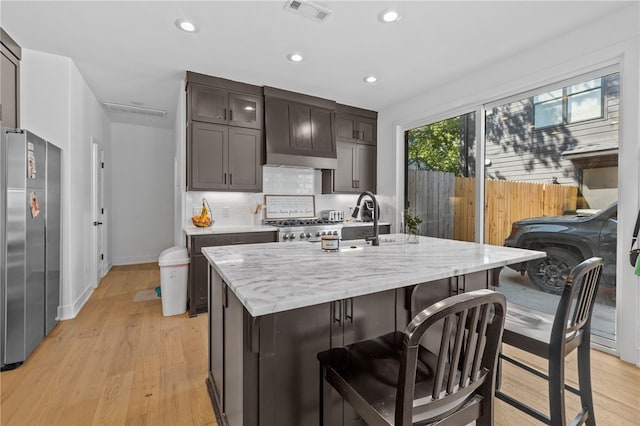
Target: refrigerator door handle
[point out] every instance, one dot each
(97, 223)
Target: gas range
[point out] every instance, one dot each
(308, 229)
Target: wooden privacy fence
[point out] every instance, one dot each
(446, 204)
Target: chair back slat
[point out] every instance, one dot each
(575, 308)
(482, 340)
(457, 350)
(442, 358)
(470, 349)
(478, 319)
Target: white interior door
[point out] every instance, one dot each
(97, 211)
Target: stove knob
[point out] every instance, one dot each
(335, 232)
(285, 237)
(301, 235)
(324, 233)
(308, 235)
(292, 237)
(317, 233)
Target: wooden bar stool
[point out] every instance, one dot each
(392, 380)
(553, 338)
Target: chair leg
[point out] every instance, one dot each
(584, 379)
(556, 391)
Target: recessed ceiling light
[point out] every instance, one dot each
(186, 26)
(370, 79)
(295, 57)
(389, 15)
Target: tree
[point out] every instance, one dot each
(436, 146)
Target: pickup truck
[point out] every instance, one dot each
(567, 240)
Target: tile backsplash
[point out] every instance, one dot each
(235, 208)
(291, 181)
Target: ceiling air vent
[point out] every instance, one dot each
(128, 109)
(308, 10)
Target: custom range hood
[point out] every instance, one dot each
(300, 130)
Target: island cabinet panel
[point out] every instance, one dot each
(352, 320)
(216, 338)
(264, 370)
(288, 367)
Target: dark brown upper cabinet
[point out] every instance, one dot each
(213, 105)
(300, 130)
(355, 128)
(10, 55)
(225, 143)
(356, 151)
(224, 158)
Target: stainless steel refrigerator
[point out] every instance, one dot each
(30, 244)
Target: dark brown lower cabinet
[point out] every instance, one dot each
(197, 287)
(363, 231)
(263, 371)
(355, 319)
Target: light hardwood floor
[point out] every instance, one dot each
(121, 363)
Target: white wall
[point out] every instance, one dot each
(613, 39)
(57, 104)
(142, 192)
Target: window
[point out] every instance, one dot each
(571, 104)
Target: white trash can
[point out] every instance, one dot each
(174, 271)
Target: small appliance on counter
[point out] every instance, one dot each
(332, 215)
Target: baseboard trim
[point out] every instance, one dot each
(66, 312)
(134, 260)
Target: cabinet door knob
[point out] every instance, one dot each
(225, 179)
(230, 115)
(225, 113)
(230, 179)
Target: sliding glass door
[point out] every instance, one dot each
(551, 184)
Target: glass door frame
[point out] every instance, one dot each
(622, 332)
(603, 344)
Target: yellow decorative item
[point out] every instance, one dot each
(204, 219)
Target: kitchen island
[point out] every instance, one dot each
(274, 306)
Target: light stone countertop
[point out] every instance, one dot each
(213, 229)
(276, 277)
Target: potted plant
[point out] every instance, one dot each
(412, 223)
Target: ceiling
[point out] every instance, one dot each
(131, 52)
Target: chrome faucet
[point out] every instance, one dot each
(375, 240)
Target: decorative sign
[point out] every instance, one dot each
(290, 206)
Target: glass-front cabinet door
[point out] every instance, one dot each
(245, 111)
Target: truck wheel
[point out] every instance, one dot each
(550, 274)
